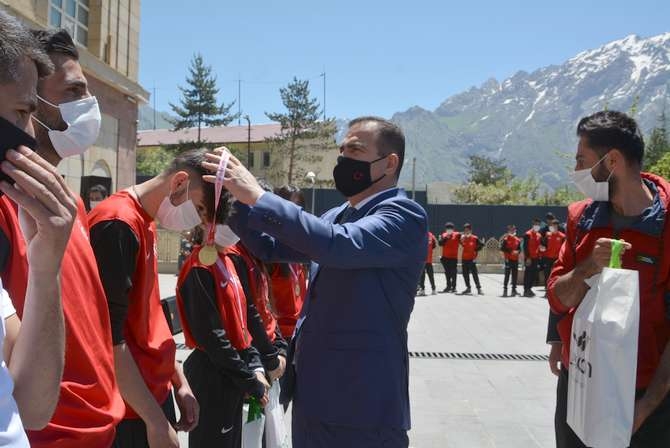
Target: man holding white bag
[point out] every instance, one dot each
(626, 204)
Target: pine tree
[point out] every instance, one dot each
(658, 144)
(299, 122)
(198, 103)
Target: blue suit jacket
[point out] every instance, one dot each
(352, 366)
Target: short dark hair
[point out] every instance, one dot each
(289, 192)
(467, 225)
(611, 129)
(265, 185)
(537, 220)
(549, 215)
(511, 226)
(191, 162)
(390, 138)
(99, 189)
(56, 42)
(449, 225)
(16, 43)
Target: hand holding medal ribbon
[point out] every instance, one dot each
(208, 253)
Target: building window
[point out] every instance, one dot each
(71, 15)
(266, 159)
(251, 159)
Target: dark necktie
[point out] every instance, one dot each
(347, 214)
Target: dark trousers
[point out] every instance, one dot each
(450, 266)
(431, 276)
(132, 432)
(654, 432)
(470, 267)
(511, 270)
(220, 400)
(548, 264)
(530, 276)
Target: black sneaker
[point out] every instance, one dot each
(529, 294)
(514, 293)
(467, 291)
(480, 292)
(504, 293)
(446, 290)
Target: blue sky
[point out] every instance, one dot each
(380, 57)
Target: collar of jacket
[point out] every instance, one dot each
(651, 222)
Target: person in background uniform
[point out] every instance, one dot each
(510, 245)
(471, 247)
(450, 241)
(123, 235)
(96, 194)
(33, 348)
(289, 280)
(66, 122)
(552, 241)
(631, 205)
(428, 268)
(225, 366)
(531, 250)
(185, 248)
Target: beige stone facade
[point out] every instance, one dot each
(266, 161)
(107, 36)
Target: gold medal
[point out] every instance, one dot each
(296, 289)
(208, 255)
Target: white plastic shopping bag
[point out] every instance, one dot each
(252, 431)
(603, 360)
(275, 429)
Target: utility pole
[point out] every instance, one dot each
(246, 117)
(324, 95)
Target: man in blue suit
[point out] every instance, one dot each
(351, 362)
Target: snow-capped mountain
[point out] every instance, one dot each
(529, 119)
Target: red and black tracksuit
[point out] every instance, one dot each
(449, 259)
(123, 237)
(471, 246)
(649, 236)
(221, 371)
(428, 268)
(510, 245)
(531, 249)
(552, 242)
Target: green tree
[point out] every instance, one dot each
(152, 161)
(658, 144)
(487, 171)
(199, 106)
(299, 123)
(662, 166)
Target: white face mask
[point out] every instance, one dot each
(449, 231)
(178, 217)
(224, 236)
(93, 204)
(552, 229)
(513, 233)
(584, 181)
(83, 126)
(536, 228)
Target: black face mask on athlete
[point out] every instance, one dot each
(11, 137)
(353, 176)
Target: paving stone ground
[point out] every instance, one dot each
(473, 403)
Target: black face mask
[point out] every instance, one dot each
(12, 137)
(353, 176)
